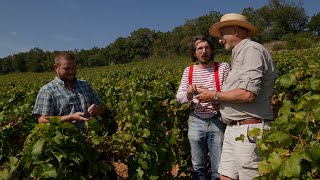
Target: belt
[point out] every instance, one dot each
(248, 121)
(216, 116)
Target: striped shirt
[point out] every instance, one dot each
(56, 99)
(202, 77)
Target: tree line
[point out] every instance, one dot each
(280, 20)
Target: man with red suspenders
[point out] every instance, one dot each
(205, 129)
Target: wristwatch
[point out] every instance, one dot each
(215, 97)
(215, 100)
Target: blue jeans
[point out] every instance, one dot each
(205, 135)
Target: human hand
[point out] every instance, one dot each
(95, 109)
(191, 91)
(205, 95)
(215, 105)
(78, 116)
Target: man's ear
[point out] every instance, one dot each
(235, 29)
(55, 66)
(194, 54)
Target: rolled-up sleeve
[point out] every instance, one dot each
(44, 104)
(252, 71)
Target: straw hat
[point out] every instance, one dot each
(231, 19)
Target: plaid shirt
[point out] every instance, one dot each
(56, 99)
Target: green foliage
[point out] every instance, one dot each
(144, 129)
(278, 18)
(314, 25)
(279, 45)
(143, 126)
(290, 150)
(288, 80)
(56, 150)
(299, 40)
(36, 60)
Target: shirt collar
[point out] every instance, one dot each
(61, 82)
(239, 46)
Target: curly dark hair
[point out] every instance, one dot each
(192, 46)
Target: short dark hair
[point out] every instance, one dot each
(64, 54)
(192, 46)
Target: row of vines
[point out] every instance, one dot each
(143, 131)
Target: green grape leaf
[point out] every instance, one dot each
(58, 156)
(59, 138)
(75, 158)
(37, 148)
(172, 139)
(36, 171)
(140, 172)
(143, 164)
(255, 132)
(4, 174)
(282, 119)
(48, 171)
(86, 124)
(307, 154)
(240, 138)
(299, 115)
(288, 80)
(67, 126)
(315, 152)
(94, 125)
(13, 164)
(285, 108)
(152, 177)
(97, 140)
(264, 167)
(314, 99)
(145, 147)
(263, 147)
(302, 104)
(316, 111)
(315, 84)
(146, 133)
(292, 166)
(282, 138)
(275, 160)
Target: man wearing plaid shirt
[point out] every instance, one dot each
(67, 97)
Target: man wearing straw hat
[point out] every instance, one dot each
(245, 99)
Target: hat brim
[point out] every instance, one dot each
(215, 28)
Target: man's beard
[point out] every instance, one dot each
(205, 61)
(66, 79)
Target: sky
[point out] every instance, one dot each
(84, 24)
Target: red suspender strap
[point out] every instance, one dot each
(190, 74)
(216, 75)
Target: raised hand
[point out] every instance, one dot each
(95, 109)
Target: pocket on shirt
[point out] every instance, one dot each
(64, 106)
